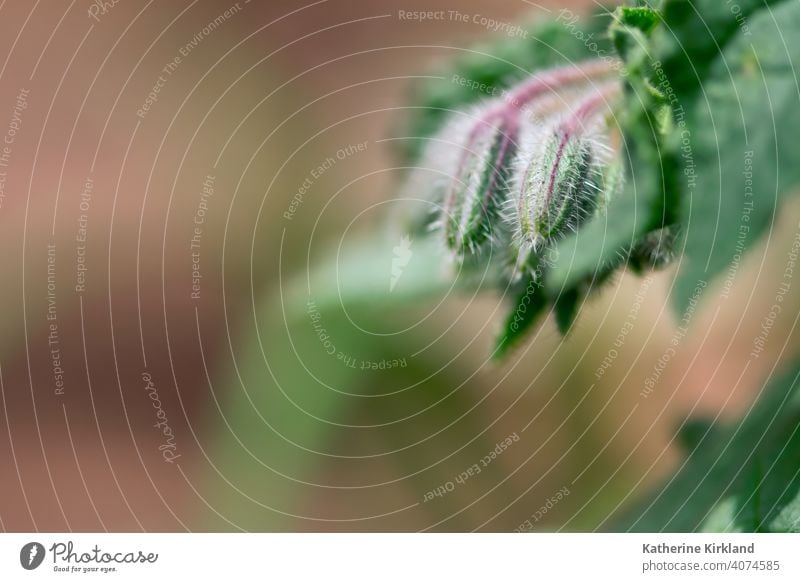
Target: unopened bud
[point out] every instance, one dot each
(486, 147)
(558, 178)
(558, 188)
(477, 188)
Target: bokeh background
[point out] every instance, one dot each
(218, 406)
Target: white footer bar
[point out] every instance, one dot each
(401, 557)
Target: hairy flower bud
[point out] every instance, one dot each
(478, 150)
(559, 188)
(557, 180)
(473, 199)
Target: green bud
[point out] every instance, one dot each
(558, 178)
(559, 187)
(478, 187)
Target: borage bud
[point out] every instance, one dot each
(559, 188)
(481, 171)
(477, 189)
(557, 179)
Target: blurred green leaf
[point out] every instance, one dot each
(526, 309)
(737, 478)
(277, 416)
(566, 309)
(788, 519)
(298, 380)
(360, 272)
(743, 130)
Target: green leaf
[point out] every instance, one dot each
(694, 34)
(360, 272)
(277, 418)
(723, 518)
(528, 306)
(788, 519)
(737, 478)
(566, 309)
(305, 371)
(743, 131)
(280, 417)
